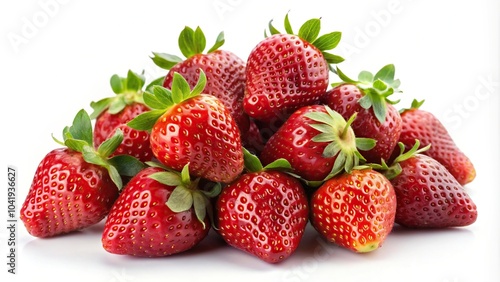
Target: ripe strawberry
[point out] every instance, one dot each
(158, 213)
(75, 186)
(113, 113)
(376, 118)
(252, 139)
(355, 210)
(428, 195)
(317, 142)
(224, 70)
(424, 126)
(286, 71)
(189, 127)
(264, 212)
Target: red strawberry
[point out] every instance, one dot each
(158, 213)
(317, 142)
(424, 126)
(73, 187)
(225, 71)
(355, 210)
(428, 195)
(286, 72)
(114, 112)
(376, 118)
(189, 127)
(252, 139)
(264, 212)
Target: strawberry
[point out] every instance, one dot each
(428, 195)
(355, 210)
(317, 142)
(113, 113)
(426, 127)
(158, 213)
(286, 71)
(377, 118)
(190, 127)
(224, 70)
(74, 186)
(252, 139)
(264, 212)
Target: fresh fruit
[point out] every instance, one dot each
(224, 70)
(74, 186)
(317, 142)
(113, 113)
(286, 71)
(158, 213)
(377, 118)
(355, 210)
(252, 139)
(428, 195)
(426, 127)
(264, 212)
(188, 127)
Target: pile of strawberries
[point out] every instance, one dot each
(254, 149)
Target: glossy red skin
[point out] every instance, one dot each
(263, 213)
(344, 99)
(141, 224)
(283, 74)
(293, 142)
(67, 194)
(201, 132)
(424, 126)
(429, 196)
(135, 142)
(355, 211)
(225, 74)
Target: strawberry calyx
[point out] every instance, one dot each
(160, 99)
(253, 163)
(343, 143)
(186, 194)
(78, 137)
(191, 43)
(309, 32)
(393, 170)
(376, 88)
(415, 105)
(128, 90)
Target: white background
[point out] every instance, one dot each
(57, 57)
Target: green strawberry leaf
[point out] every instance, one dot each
(199, 40)
(99, 107)
(163, 95)
(180, 88)
(181, 199)
(251, 161)
(365, 144)
(187, 42)
(117, 105)
(127, 165)
(82, 127)
(146, 121)
(110, 145)
(75, 144)
(169, 178)
(279, 164)
(309, 31)
(200, 203)
(116, 83)
(115, 176)
(153, 102)
(134, 81)
(328, 41)
(365, 77)
(272, 29)
(165, 61)
(288, 26)
(332, 59)
(157, 81)
(218, 43)
(199, 87)
(386, 73)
